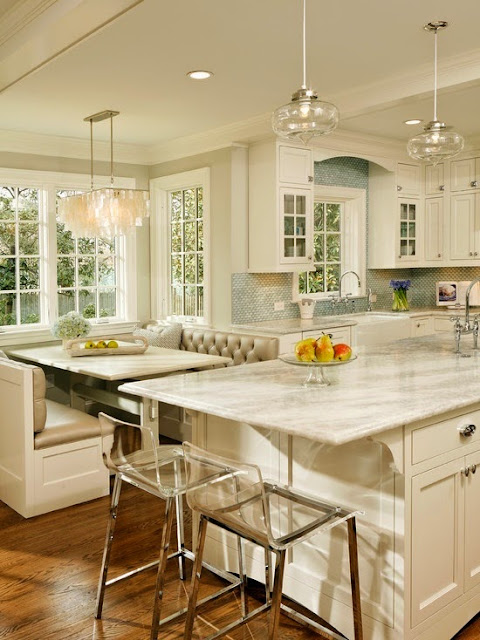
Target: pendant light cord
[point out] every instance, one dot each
(111, 150)
(304, 85)
(91, 155)
(435, 80)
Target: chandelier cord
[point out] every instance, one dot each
(304, 86)
(435, 80)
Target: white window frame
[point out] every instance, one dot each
(160, 241)
(49, 182)
(353, 247)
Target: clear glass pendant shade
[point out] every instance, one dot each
(304, 117)
(435, 144)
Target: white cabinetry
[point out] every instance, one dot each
(280, 208)
(395, 221)
(434, 229)
(465, 227)
(422, 326)
(434, 179)
(465, 174)
(339, 335)
(408, 179)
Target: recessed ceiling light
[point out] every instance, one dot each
(200, 74)
(413, 121)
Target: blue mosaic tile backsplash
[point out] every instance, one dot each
(254, 294)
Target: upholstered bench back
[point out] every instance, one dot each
(242, 349)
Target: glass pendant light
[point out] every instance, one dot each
(305, 116)
(106, 212)
(437, 142)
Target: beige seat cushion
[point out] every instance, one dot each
(65, 425)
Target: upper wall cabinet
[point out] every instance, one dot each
(409, 179)
(434, 179)
(396, 224)
(465, 174)
(280, 234)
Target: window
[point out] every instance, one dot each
(86, 273)
(339, 244)
(46, 272)
(186, 252)
(179, 241)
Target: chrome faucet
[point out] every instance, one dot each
(467, 326)
(345, 299)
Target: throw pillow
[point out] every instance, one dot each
(3, 355)
(168, 336)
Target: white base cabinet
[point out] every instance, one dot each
(418, 540)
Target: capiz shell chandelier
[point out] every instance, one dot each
(106, 212)
(437, 142)
(305, 116)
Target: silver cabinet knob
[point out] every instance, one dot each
(473, 468)
(418, 324)
(466, 471)
(439, 255)
(473, 183)
(441, 187)
(471, 253)
(467, 430)
(399, 188)
(310, 178)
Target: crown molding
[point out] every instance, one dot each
(39, 144)
(21, 14)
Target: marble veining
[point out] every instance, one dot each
(385, 387)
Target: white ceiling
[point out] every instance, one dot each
(372, 58)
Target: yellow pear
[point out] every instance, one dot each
(324, 349)
(305, 350)
(112, 344)
(101, 344)
(90, 344)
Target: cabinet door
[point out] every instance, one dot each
(434, 179)
(463, 175)
(286, 343)
(472, 521)
(295, 226)
(434, 225)
(295, 165)
(408, 179)
(462, 224)
(437, 531)
(409, 230)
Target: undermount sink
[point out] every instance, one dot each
(378, 328)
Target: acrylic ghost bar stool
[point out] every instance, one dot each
(130, 451)
(235, 497)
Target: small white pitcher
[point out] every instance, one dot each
(307, 306)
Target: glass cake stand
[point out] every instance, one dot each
(316, 371)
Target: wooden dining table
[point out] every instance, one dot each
(154, 362)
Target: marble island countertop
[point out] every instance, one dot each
(385, 387)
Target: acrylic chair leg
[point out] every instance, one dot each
(276, 596)
(243, 575)
(196, 572)
(268, 594)
(162, 563)
(354, 578)
(180, 537)
(117, 486)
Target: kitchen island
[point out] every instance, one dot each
(394, 435)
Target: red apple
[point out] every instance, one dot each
(342, 352)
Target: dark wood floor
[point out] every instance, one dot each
(49, 570)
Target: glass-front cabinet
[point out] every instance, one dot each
(409, 228)
(295, 240)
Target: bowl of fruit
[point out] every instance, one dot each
(108, 345)
(318, 354)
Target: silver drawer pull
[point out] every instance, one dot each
(468, 430)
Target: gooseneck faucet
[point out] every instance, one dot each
(467, 326)
(340, 283)
(345, 299)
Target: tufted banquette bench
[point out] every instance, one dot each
(50, 454)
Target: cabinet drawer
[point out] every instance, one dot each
(286, 344)
(443, 324)
(339, 334)
(435, 439)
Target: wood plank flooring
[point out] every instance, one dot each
(49, 569)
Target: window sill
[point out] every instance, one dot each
(44, 334)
